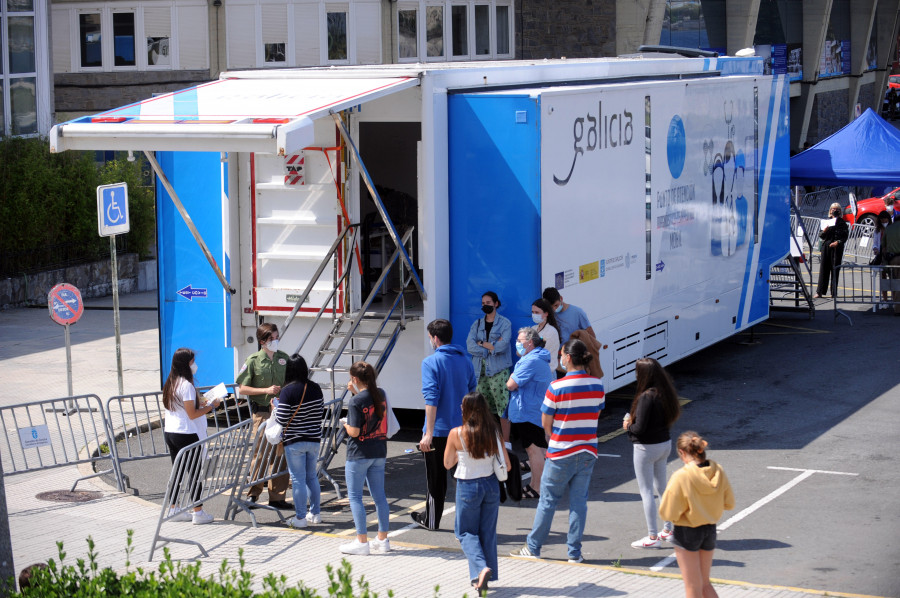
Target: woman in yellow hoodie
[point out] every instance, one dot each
(694, 500)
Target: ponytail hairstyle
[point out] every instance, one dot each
(652, 378)
(578, 353)
(544, 305)
(296, 371)
(479, 429)
(181, 368)
(693, 445)
(366, 374)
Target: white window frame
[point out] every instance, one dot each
(108, 42)
(289, 53)
(41, 74)
(422, 34)
(347, 8)
(173, 47)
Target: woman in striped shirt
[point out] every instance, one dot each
(300, 410)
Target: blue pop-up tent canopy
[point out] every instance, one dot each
(865, 152)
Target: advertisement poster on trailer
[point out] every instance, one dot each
(655, 182)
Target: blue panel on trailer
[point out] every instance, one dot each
(191, 298)
(495, 227)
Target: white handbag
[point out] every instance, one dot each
(499, 463)
(274, 430)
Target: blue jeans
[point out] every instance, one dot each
(301, 460)
(477, 507)
(572, 473)
(370, 471)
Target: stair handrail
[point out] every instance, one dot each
(368, 302)
(348, 262)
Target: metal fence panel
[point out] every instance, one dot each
(858, 248)
(862, 284)
(203, 470)
(55, 433)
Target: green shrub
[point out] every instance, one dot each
(85, 579)
(48, 199)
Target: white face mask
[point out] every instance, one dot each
(537, 318)
(193, 369)
(272, 345)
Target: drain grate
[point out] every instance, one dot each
(69, 495)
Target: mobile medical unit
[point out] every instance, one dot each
(353, 205)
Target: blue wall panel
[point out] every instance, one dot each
(197, 322)
(495, 230)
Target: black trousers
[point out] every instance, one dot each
(831, 257)
(436, 480)
(175, 442)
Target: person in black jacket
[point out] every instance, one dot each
(833, 239)
(653, 411)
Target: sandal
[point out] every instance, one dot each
(481, 584)
(524, 467)
(529, 492)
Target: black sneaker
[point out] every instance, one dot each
(419, 519)
(282, 505)
(253, 500)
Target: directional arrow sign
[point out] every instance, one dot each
(660, 266)
(189, 293)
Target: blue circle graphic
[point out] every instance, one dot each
(676, 146)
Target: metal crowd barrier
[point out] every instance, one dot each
(858, 248)
(136, 421)
(201, 471)
(862, 284)
(55, 433)
(817, 203)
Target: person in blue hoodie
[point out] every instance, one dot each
(527, 386)
(447, 376)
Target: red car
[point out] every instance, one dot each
(867, 210)
(894, 82)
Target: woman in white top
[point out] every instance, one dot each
(185, 424)
(472, 447)
(545, 323)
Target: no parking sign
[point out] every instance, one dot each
(64, 303)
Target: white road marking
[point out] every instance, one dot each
(761, 502)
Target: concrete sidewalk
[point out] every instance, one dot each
(409, 570)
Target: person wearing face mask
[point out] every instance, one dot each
(261, 379)
(545, 323)
(883, 221)
(570, 317)
(185, 424)
(833, 239)
(489, 345)
(527, 385)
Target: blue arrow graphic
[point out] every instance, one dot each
(660, 266)
(189, 292)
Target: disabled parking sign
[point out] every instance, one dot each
(112, 209)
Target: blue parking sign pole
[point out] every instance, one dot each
(112, 219)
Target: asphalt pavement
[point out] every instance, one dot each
(801, 413)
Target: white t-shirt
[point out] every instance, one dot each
(551, 343)
(177, 420)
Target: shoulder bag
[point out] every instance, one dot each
(274, 430)
(499, 463)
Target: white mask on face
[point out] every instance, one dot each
(193, 369)
(537, 318)
(272, 345)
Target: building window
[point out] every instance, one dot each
(21, 45)
(89, 36)
(275, 52)
(482, 30)
(459, 27)
(23, 106)
(123, 38)
(407, 38)
(337, 35)
(158, 51)
(19, 52)
(502, 30)
(434, 31)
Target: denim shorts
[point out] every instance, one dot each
(693, 539)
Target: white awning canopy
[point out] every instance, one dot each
(272, 116)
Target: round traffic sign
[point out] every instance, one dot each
(64, 303)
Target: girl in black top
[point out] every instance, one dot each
(300, 410)
(366, 427)
(653, 411)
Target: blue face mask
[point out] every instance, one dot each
(520, 348)
(559, 307)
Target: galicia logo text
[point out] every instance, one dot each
(603, 131)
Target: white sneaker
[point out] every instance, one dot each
(666, 535)
(201, 517)
(380, 546)
(297, 523)
(178, 515)
(310, 518)
(355, 547)
(647, 542)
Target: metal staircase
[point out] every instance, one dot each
(790, 280)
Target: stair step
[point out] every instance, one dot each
(348, 351)
(339, 369)
(386, 333)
